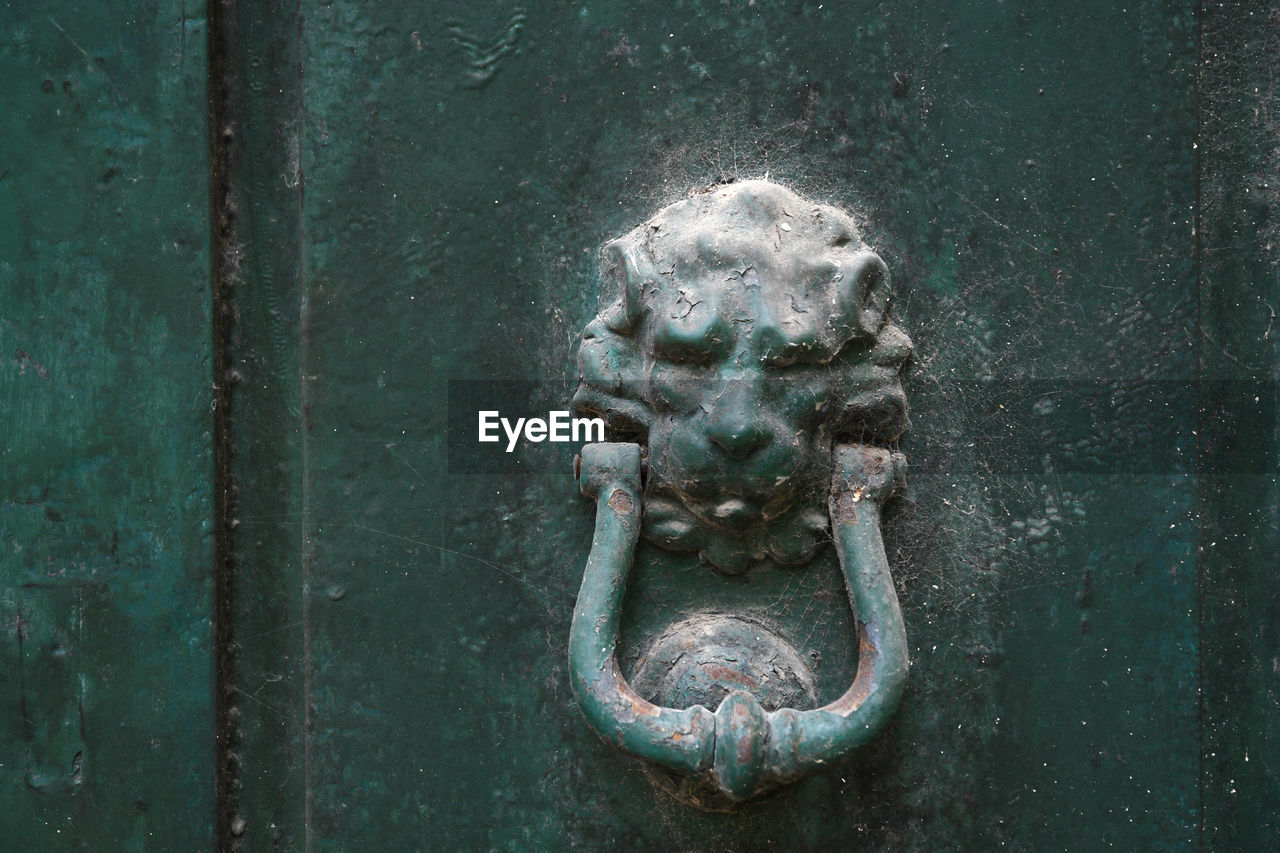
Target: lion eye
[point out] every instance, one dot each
(703, 340)
(676, 387)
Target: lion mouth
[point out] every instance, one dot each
(733, 512)
(734, 533)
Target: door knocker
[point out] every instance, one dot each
(744, 349)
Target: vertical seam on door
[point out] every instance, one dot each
(223, 275)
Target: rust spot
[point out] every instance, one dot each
(866, 648)
(638, 705)
(862, 682)
(847, 506)
(722, 673)
(620, 502)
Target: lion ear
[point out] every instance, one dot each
(621, 283)
(862, 296)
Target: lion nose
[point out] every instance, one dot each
(738, 437)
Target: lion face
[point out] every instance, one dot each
(745, 334)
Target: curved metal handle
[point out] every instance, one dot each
(741, 749)
(680, 740)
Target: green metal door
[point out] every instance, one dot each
(262, 265)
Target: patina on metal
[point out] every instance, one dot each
(745, 347)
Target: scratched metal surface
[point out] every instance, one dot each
(423, 189)
(106, 536)
(1240, 477)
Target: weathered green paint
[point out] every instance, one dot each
(1084, 558)
(1028, 172)
(1239, 496)
(802, 741)
(742, 332)
(105, 468)
(266, 802)
(681, 739)
(741, 750)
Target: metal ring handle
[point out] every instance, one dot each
(741, 749)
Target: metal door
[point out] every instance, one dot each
(266, 590)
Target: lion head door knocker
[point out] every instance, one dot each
(744, 344)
